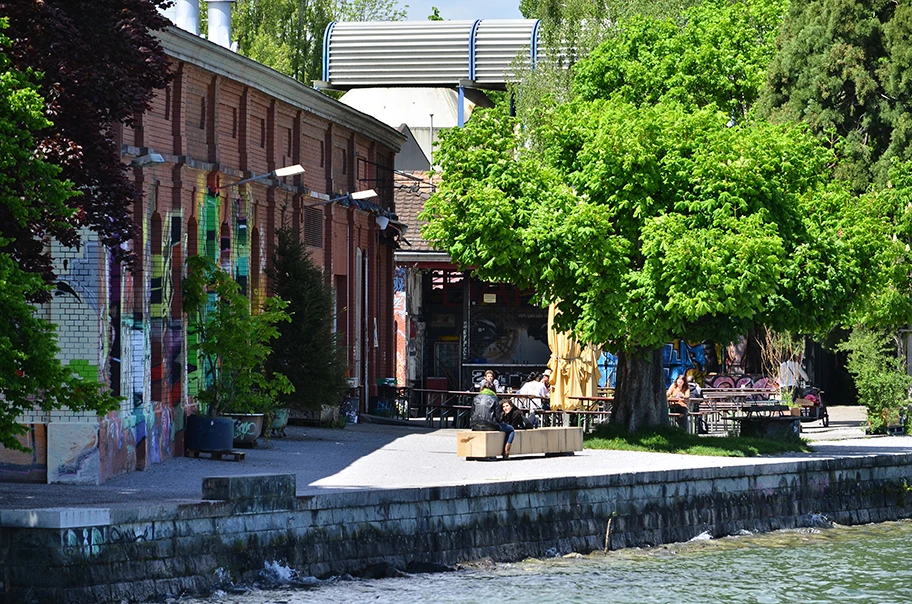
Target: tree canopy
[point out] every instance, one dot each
(30, 189)
(842, 67)
(287, 35)
(651, 205)
(97, 65)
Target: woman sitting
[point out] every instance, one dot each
(678, 395)
(511, 419)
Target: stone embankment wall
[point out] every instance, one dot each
(99, 555)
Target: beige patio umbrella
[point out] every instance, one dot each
(574, 367)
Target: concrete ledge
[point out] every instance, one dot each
(55, 518)
(253, 493)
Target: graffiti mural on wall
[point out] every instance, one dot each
(696, 358)
(401, 320)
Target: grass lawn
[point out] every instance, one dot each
(675, 440)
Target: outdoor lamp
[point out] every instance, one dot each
(366, 194)
(281, 172)
(382, 222)
(147, 160)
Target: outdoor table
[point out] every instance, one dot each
(598, 410)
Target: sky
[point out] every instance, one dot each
(418, 10)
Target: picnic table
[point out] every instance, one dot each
(593, 410)
(721, 409)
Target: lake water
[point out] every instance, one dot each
(865, 564)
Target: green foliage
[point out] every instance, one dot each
(570, 29)
(648, 222)
(715, 55)
(435, 14)
(368, 10)
(880, 225)
(233, 343)
(307, 350)
(287, 35)
(675, 440)
(31, 375)
(843, 68)
(879, 375)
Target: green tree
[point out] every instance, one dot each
(307, 349)
(879, 222)
(30, 189)
(879, 375)
(647, 223)
(435, 14)
(287, 35)
(713, 53)
(368, 10)
(232, 342)
(842, 67)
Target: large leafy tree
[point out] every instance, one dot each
(842, 67)
(30, 190)
(650, 204)
(288, 35)
(99, 66)
(646, 223)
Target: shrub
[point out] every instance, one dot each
(879, 375)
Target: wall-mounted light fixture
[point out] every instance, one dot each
(147, 160)
(281, 172)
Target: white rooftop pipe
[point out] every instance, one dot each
(220, 22)
(186, 15)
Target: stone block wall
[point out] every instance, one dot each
(106, 555)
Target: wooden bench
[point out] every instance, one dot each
(487, 444)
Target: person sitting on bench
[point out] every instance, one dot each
(511, 419)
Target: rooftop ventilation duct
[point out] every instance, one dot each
(220, 22)
(185, 14)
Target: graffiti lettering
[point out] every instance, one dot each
(242, 428)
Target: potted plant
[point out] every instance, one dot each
(232, 344)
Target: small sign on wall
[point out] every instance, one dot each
(489, 298)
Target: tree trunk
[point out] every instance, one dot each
(639, 397)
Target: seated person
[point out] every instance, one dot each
(490, 378)
(535, 399)
(511, 419)
(678, 395)
(485, 410)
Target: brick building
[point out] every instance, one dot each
(224, 118)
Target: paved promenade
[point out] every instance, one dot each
(374, 456)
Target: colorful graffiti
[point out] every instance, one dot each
(400, 316)
(697, 359)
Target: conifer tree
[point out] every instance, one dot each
(307, 350)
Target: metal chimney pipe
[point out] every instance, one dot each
(220, 22)
(186, 15)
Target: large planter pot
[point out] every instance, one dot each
(247, 428)
(208, 433)
(279, 421)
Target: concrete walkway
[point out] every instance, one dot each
(373, 456)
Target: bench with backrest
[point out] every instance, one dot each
(484, 444)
